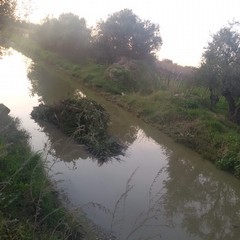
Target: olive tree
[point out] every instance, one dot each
(125, 34)
(221, 66)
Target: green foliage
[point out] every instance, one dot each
(216, 126)
(125, 34)
(68, 35)
(191, 104)
(230, 162)
(188, 119)
(220, 67)
(29, 209)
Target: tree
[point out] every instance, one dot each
(221, 66)
(7, 10)
(125, 34)
(67, 35)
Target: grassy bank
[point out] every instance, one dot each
(188, 118)
(30, 209)
(181, 110)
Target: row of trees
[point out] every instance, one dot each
(122, 34)
(125, 34)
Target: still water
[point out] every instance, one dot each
(157, 190)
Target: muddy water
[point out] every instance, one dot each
(157, 190)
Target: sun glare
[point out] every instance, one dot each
(12, 85)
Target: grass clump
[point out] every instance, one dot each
(84, 120)
(29, 207)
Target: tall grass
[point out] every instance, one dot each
(29, 207)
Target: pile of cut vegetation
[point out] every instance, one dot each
(128, 75)
(84, 120)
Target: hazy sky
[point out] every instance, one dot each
(185, 25)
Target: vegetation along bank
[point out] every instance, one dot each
(30, 209)
(199, 107)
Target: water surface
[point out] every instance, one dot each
(157, 190)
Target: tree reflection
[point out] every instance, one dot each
(65, 148)
(48, 85)
(203, 202)
(61, 146)
(206, 206)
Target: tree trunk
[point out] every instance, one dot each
(213, 98)
(236, 115)
(232, 109)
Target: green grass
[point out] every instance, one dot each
(29, 207)
(189, 119)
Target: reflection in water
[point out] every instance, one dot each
(65, 148)
(205, 205)
(48, 85)
(62, 147)
(186, 199)
(158, 189)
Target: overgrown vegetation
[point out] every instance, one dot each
(29, 207)
(199, 109)
(186, 116)
(181, 108)
(85, 121)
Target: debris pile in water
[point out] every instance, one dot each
(84, 120)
